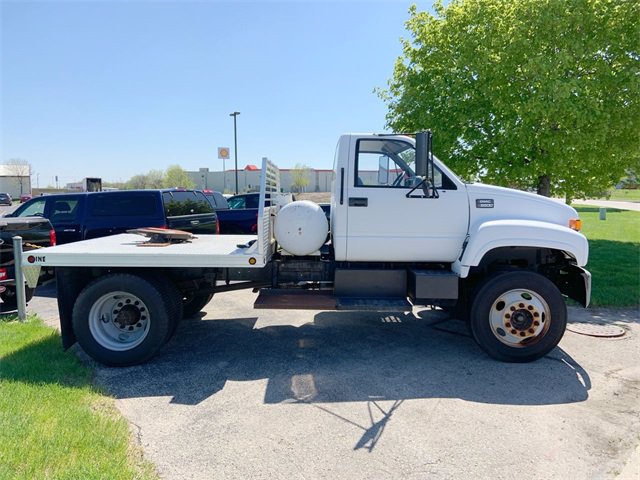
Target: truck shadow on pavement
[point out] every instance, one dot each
(344, 357)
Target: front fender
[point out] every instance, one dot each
(520, 233)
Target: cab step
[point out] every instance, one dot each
(295, 299)
(325, 300)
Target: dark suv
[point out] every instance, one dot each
(80, 216)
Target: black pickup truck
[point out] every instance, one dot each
(35, 233)
(81, 216)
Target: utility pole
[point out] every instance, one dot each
(235, 144)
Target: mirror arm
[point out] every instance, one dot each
(428, 190)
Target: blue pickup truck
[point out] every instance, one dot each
(80, 216)
(236, 216)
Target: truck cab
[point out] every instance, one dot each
(376, 218)
(378, 215)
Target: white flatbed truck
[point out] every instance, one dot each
(404, 231)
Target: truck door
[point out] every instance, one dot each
(384, 224)
(65, 214)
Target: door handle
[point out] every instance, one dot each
(69, 230)
(358, 201)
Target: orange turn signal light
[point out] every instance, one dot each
(575, 224)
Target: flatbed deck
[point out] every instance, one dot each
(125, 250)
(202, 251)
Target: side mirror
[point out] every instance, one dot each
(423, 141)
(383, 170)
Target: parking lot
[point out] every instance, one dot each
(243, 393)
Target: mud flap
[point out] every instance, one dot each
(575, 283)
(69, 283)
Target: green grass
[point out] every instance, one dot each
(54, 424)
(624, 195)
(614, 256)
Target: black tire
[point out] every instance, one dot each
(192, 304)
(10, 297)
(173, 300)
(121, 319)
(518, 316)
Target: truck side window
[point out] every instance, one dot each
(64, 210)
(237, 202)
(389, 163)
(134, 205)
(384, 163)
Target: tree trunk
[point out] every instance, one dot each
(544, 185)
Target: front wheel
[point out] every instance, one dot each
(518, 316)
(121, 319)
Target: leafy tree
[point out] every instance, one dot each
(155, 179)
(21, 170)
(300, 177)
(137, 182)
(527, 93)
(175, 176)
(116, 185)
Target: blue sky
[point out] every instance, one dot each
(116, 88)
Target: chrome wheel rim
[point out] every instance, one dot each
(119, 321)
(519, 318)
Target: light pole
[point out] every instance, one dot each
(235, 144)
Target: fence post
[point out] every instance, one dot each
(20, 293)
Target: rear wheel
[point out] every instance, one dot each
(121, 319)
(193, 303)
(518, 316)
(173, 300)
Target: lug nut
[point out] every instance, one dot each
(521, 305)
(508, 325)
(513, 332)
(536, 314)
(536, 324)
(530, 307)
(531, 330)
(507, 316)
(522, 334)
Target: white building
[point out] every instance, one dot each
(14, 185)
(249, 180)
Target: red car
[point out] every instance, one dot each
(25, 198)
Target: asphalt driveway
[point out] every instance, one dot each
(244, 393)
